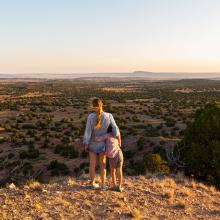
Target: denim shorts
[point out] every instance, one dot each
(97, 149)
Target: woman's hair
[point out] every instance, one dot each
(97, 103)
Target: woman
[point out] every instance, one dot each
(97, 125)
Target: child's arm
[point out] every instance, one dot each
(100, 138)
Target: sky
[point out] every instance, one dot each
(83, 36)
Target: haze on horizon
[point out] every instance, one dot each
(84, 36)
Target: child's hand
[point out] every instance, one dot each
(94, 139)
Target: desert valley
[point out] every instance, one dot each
(42, 124)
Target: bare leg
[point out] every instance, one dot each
(92, 163)
(119, 177)
(113, 176)
(102, 163)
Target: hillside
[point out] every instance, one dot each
(151, 197)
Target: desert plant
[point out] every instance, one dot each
(200, 147)
(155, 164)
(58, 168)
(66, 151)
(31, 153)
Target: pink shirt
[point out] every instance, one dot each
(112, 144)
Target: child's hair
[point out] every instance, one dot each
(109, 129)
(97, 103)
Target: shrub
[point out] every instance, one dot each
(66, 151)
(170, 122)
(29, 126)
(128, 154)
(2, 140)
(56, 168)
(10, 155)
(27, 168)
(200, 147)
(84, 154)
(150, 131)
(155, 164)
(31, 153)
(140, 168)
(140, 143)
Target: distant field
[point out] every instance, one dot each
(44, 120)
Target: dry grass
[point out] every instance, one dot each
(185, 192)
(179, 177)
(212, 189)
(142, 199)
(193, 184)
(34, 185)
(168, 183)
(201, 186)
(169, 193)
(180, 205)
(71, 182)
(135, 214)
(38, 206)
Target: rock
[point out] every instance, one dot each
(26, 187)
(12, 186)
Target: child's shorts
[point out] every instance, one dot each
(117, 161)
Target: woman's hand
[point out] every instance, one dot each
(86, 146)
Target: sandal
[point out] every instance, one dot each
(94, 186)
(118, 189)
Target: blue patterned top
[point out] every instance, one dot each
(106, 120)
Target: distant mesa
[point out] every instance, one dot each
(140, 72)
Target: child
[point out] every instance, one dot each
(115, 155)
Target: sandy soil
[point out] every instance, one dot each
(143, 198)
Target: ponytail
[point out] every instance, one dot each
(97, 103)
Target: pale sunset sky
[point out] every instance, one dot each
(82, 36)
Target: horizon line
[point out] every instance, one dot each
(114, 72)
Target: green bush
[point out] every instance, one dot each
(56, 168)
(66, 151)
(129, 154)
(140, 143)
(31, 153)
(200, 147)
(150, 131)
(27, 168)
(29, 126)
(155, 164)
(140, 168)
(170, 122)
(84, 154)
(10, 155)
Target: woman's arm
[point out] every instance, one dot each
(115, 129)
(88, 131)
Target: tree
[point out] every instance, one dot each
(200, 147)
